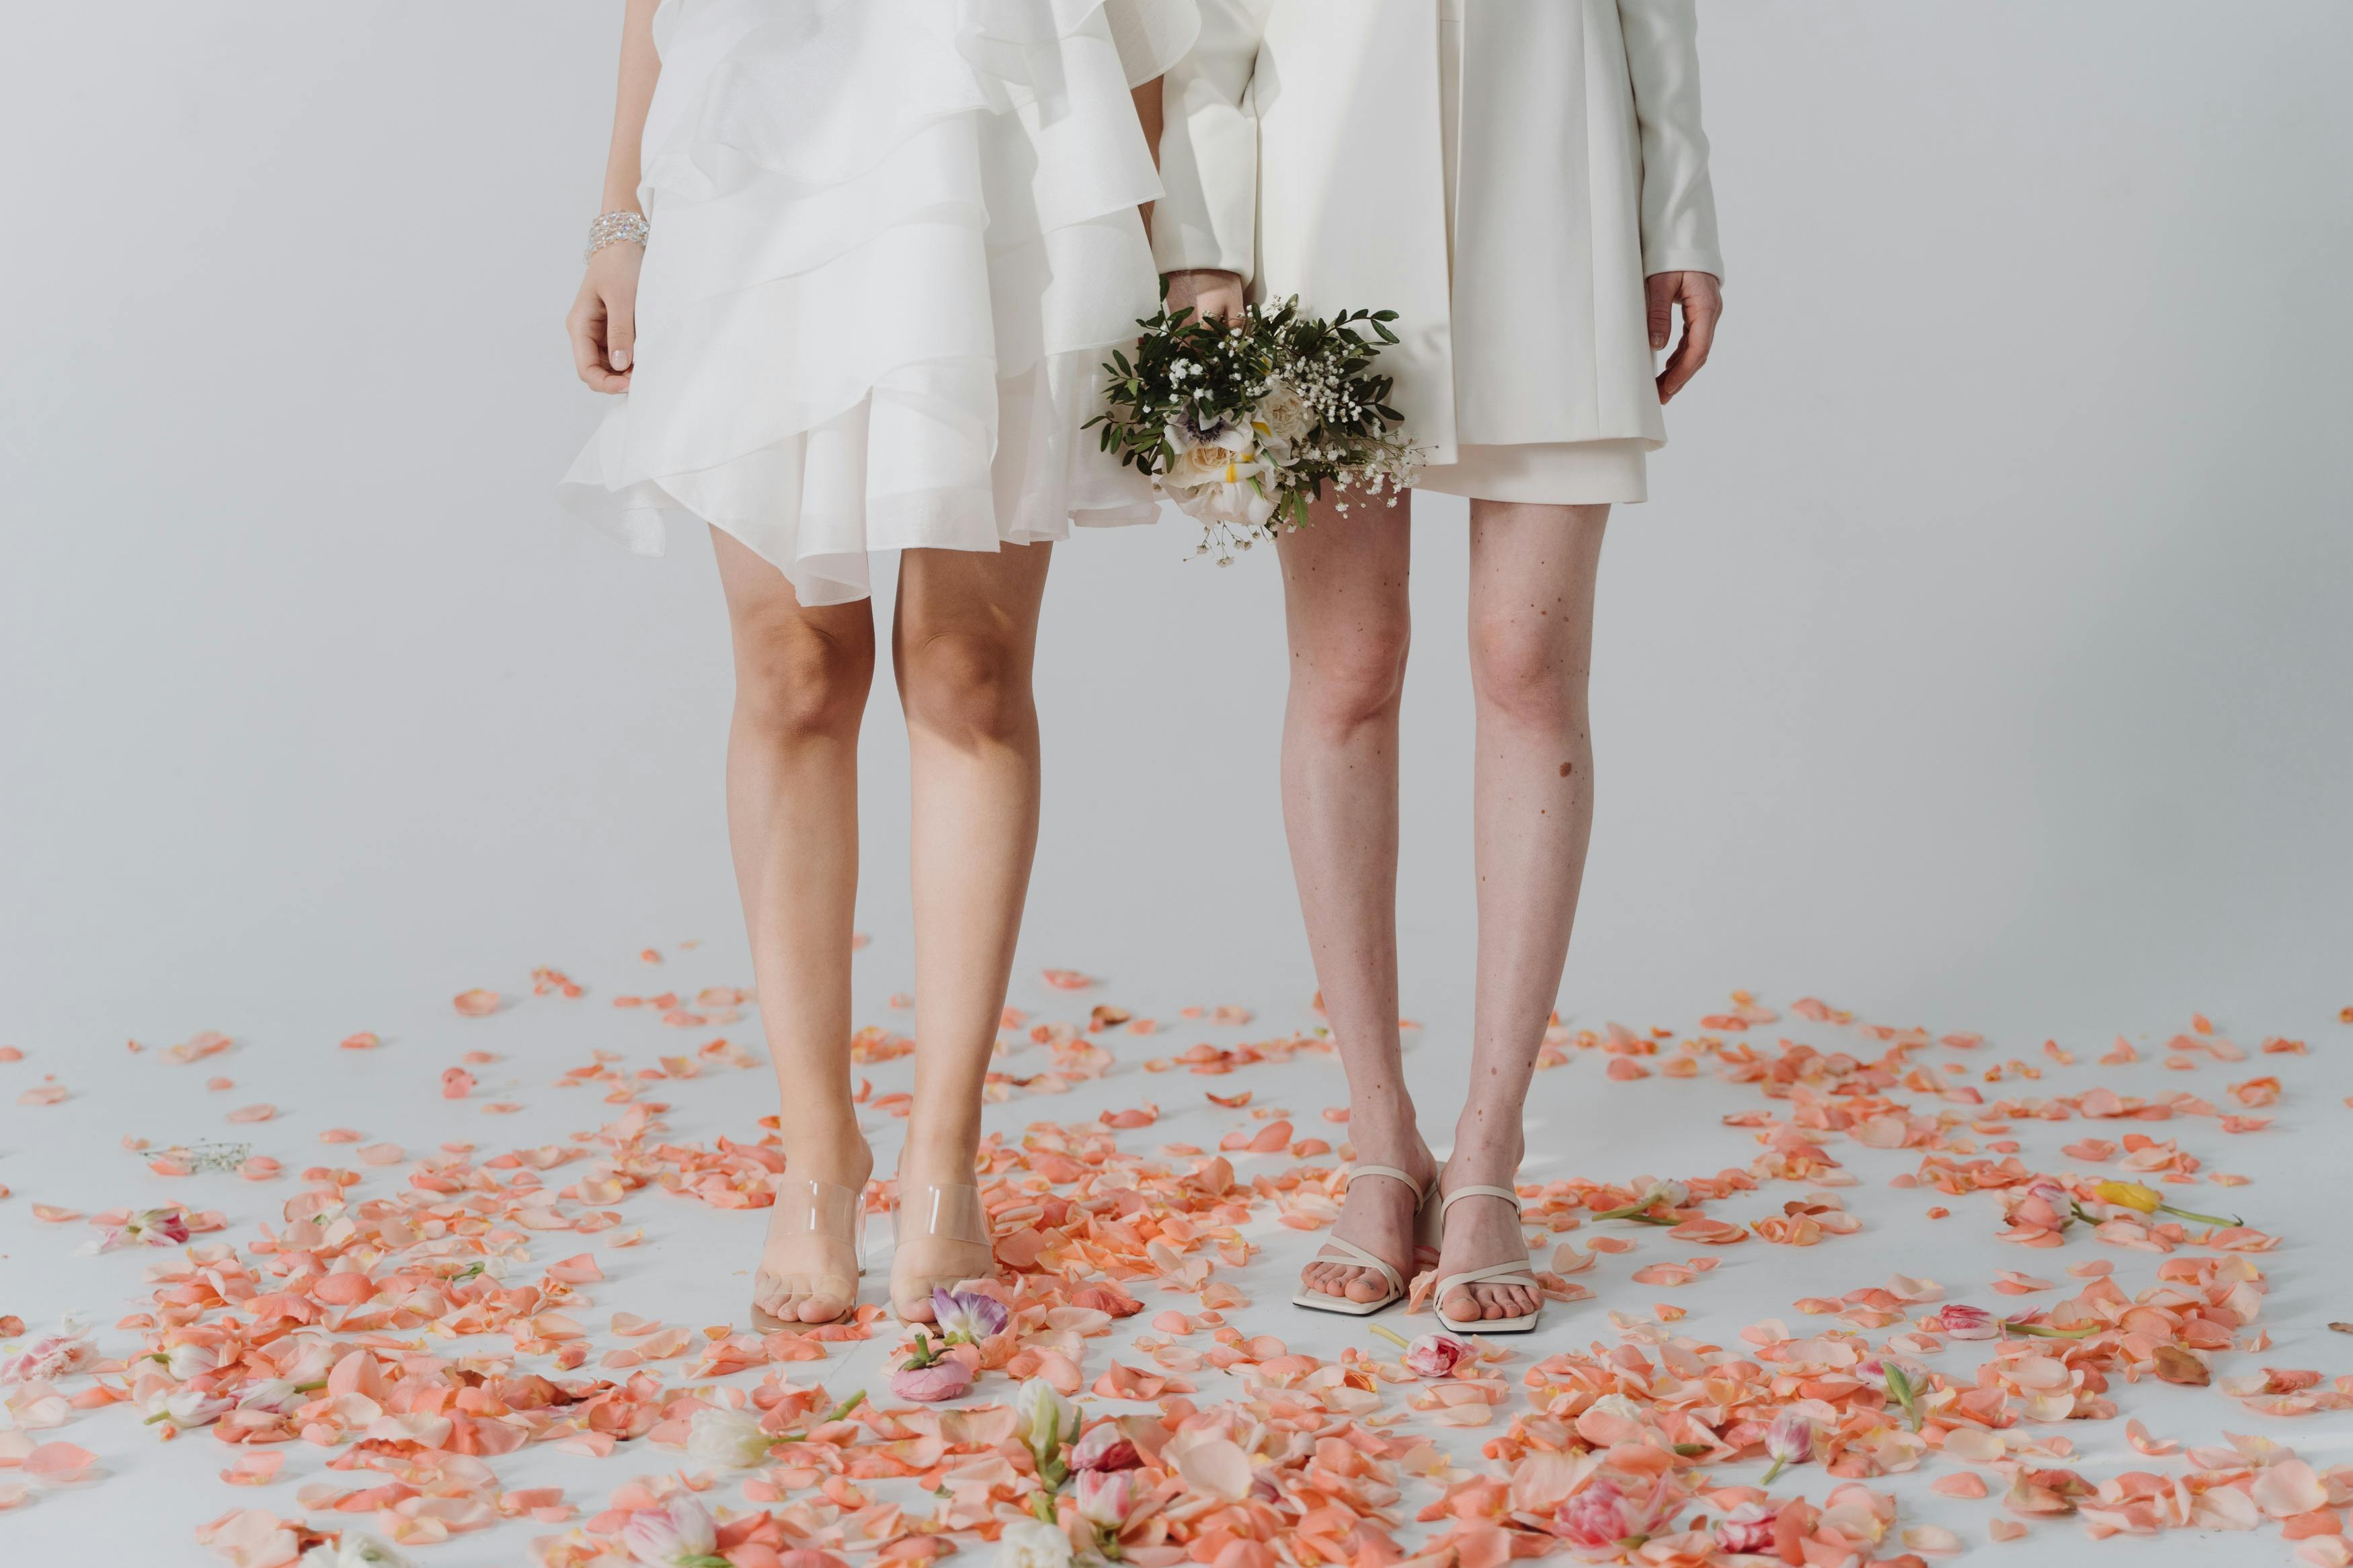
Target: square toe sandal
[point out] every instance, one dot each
(807, 1207)
(1494, 1273)
(1425, 1221)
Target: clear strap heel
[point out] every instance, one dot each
(806, 1206)
(945, 1214)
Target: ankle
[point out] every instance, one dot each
(1481, 1155)
(941, 1156)
(1385, 1137)
(824, 1154)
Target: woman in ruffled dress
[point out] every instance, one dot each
(859, 264)
(1526, 182)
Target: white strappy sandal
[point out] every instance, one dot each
(1360, 1257)
(1494, 1273)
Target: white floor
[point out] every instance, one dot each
(693, 1265)
(1978, 663)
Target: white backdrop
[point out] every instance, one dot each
(1981, 660)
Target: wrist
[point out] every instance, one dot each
(622, 225)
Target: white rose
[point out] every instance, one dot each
(1283, 412)
(1211, 466)
(1031, 1543)
(1047, 1418)
(721, 1440)
(1241, 504)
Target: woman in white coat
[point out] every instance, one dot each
(1525, 182)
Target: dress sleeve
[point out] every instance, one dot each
(1207, 216)
(1678, 201)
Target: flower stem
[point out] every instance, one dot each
(1390, 1334)
(2043, 1331)
(2200, 1218)
(1772, 1470)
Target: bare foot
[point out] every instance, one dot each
(1378, 1214)
(808, 1268)
(1482, 1232)
(942, 1228)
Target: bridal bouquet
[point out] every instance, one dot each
(1243, 425)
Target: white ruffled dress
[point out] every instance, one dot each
(893, 242)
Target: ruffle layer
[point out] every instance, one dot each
(889, 256)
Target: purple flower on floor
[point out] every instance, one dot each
(946, 1378)
(966, 1317)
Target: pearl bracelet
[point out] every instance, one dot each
(616, 229)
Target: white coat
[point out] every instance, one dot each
(1502, 173)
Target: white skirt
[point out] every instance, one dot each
(893, 242)
(1548, 473)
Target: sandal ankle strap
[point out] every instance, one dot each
(1391, 1172)
(1458, 1194)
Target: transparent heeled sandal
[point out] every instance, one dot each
(949, 1214)
(807, 1207)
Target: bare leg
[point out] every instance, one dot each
(961, 649)
(1344, 580)
(801, 680)
(1531, 586)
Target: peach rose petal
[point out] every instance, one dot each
(255, 1466)
(477, 1003)
(59, 1462)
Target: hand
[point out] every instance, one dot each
(603, 323)
(1703, 301)
(1217, 295)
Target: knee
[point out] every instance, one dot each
(970, 688)
(1345, 683)
(791, 680)
(1526, 674)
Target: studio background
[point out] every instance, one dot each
(1981, 661)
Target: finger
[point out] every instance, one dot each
(620, 332)
(1659, 297)
(1699, 337)
(589, 353)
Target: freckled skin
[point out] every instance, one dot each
(1345, 602)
